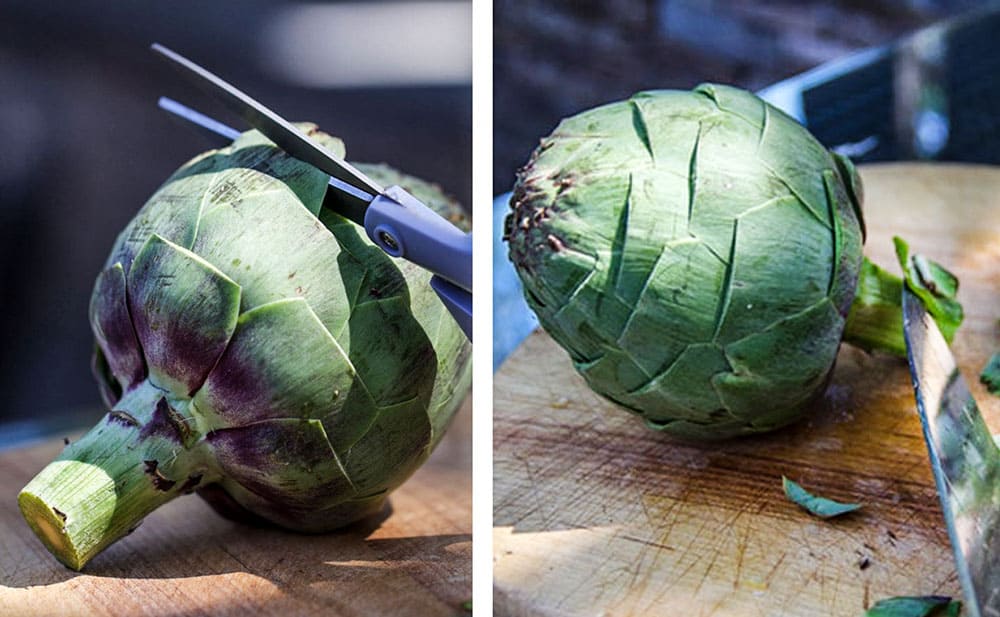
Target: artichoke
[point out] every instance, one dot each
(698, 254)
(257, 349)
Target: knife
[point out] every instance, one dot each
(964, 458)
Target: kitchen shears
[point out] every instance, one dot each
(393, 219)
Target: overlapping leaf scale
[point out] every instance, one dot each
(107, 385)
(282, 460)
(247, 386)
(848, 242)
(585, 271)
(775, 274)
(118, 352)
(765, 376)
(184, 311)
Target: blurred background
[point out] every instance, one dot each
(928, 96)
(84, 145)
(877, 80)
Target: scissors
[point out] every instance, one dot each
(964, 458)
(397, 222)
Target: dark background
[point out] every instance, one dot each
(83, 145)
(554, 58)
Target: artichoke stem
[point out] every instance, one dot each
(875, 321)
(102, 486)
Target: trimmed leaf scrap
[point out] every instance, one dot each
(915, 606)
(815, 505)
(990, 377)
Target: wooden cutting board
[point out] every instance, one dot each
(186, 560)
(597, 515)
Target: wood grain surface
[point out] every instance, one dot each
(594, 514)
(186, 560)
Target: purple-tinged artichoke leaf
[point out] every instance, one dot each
(281, 362)
(184, 311)
(108, 386)
(235, 502)
(112, 326)
(285, 460)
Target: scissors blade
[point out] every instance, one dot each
(278, 130)
(964, 458)
(340, 196)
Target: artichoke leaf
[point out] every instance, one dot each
(774, 275)
(287, 460)
(767, 376)
(686, 385)
(392, 448)
(184, 310)
(113, 330)
(307, 182)
(108, 386)
(280, 363)
(690, 278)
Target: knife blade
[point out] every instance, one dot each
(964, 458)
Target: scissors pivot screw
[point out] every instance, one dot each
(389, 241)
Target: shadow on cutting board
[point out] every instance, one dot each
(185, 559)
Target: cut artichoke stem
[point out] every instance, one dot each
(102, 486)
(875, 321)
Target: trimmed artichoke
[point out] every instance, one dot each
(258, 349)
(697, 254)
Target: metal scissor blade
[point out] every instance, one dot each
(964, 458)
(276, 128)
(210, 126)
(344, 198)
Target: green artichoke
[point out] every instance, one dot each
(257, 349)
(697, 254)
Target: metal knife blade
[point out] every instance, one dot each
(964, 458)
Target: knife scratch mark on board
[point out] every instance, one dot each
(769, 577)
(742, 544)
